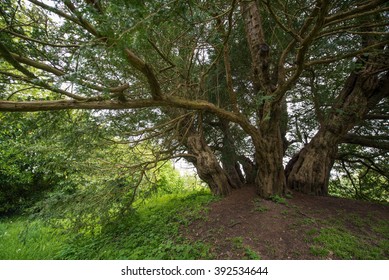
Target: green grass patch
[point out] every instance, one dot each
(258, 206)
(25, 240)
(382, 228)
(152, 231)
(278, 199)
(343, 245)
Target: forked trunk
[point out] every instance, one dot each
(309, 171)
(270, 177)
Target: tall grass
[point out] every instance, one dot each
(21, 239)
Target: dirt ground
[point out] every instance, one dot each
(242, 224)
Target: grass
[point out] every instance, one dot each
(351, 237)
(334, 242)
(152, 232)
(24, 240)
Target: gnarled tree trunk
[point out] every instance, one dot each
(250, 169)
(207, 165)
(268, 142)
(309, 171)
(270, 177)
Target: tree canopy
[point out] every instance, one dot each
(271, 93)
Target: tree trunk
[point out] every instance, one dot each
(229, 157)
(309, 171)
(269, 147)
(207, 165)
(233, 171)
(270, 178)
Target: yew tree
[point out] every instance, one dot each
(222, 84)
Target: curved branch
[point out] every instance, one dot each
(147, 71)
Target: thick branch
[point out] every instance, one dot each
(147, 71)
(367, 141)
(377, 117)
(84, 22)
(31, 106)
(259, 50)
(319, 13)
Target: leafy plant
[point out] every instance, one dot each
(278, 199)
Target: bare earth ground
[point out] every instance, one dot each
(280, 230)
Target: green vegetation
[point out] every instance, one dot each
(21, 239)
(258, 206)
(278, 199)
(334, 242)
(98, 99)
(248, 253)
(151, 232)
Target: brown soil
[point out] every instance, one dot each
(242, 224)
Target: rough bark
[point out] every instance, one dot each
(268, 142)
(207, 165)
(229, 156)
(309, 171)
(270, 177)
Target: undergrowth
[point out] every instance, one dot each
(150, 232)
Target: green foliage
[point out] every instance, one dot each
(152, 232)
(248, 253)
(278, 199)
(27, 168)
(360, 182)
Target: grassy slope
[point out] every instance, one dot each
(153, 232)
